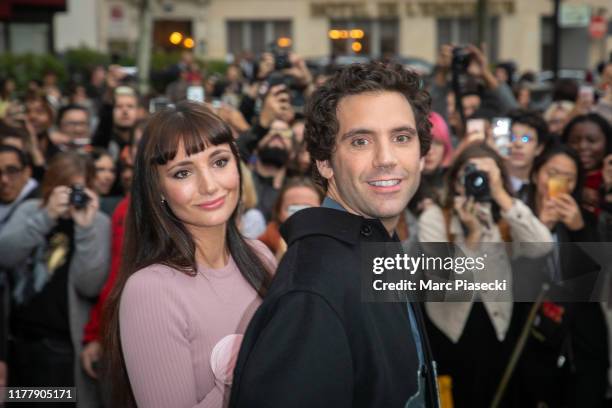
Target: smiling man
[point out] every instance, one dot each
(314, 342)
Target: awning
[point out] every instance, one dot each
(7, 6)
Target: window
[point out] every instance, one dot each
(234, 36)
(465, 31)
(2, 38)
(257, 36)
(29, 38)
(572, 52)
(162, 29)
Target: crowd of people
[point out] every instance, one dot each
(139, 234)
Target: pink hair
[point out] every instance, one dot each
(440, 132)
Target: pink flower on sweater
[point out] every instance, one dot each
(223, 357)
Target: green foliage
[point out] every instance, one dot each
(25, 67)
(81, 61)
(215, 67)
(161, 61)
(84, 59)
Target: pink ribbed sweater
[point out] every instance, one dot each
(170, 323)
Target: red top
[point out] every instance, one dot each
(271, 237)
(92, 329)
(594, 180)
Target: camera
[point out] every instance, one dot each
(78, 197)
(476, 184)
(281, 61)
(461, 59)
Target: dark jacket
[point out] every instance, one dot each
(314, 342)
(579, 335)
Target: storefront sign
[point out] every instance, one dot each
(340, 10)
(118, 27)
(461, 8)
(571, 15)
(413, 8)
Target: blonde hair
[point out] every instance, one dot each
(249, 195)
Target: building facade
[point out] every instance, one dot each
(518, 30)
(27, 26)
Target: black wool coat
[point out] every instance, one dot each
(314, 342)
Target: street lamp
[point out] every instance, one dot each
(176, 38)
(189, 43)
(284, 42)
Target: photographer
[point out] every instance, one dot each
(277, 68)
(473, 65)
(478, 209)
(57, 250)
(276, 105)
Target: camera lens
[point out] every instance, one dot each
(78, 197)
(476, 184)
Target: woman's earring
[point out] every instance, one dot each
(163, 200)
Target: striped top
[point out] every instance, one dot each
(171, 322)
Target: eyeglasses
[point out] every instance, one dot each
(10, 171)
(524, 138)
(75, 123)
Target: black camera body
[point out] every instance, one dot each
(78, 197)
(476, 183)
(461, 59)
(281, 61)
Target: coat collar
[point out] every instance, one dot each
(340, 225)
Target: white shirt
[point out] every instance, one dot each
(451, 317)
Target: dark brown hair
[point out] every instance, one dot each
(293, 183)
(545, 157)
(154, 235)
(62, 168)
(321, 117)
(38, 96)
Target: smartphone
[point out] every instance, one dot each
(557, 185)
(475, 129)
(195, 93)
(501, 135)
(128, 71)
(587, 93)
(157, 104)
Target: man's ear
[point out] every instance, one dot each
(325, 169)
(421, 164)
(539, 149)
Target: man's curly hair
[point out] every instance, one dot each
(322, 125)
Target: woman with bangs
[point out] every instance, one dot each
(189, 283)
